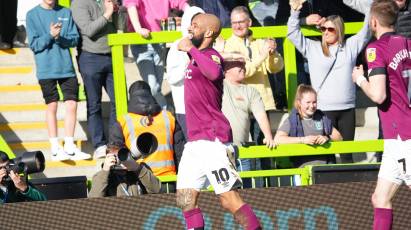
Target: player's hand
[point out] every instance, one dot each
(145, 33)
(19, 183)
(314, 20)
(110, 161)
(357, 72)
(321, 140)
(55, 29)
(185, 44)
(270, 143)
(309, 140)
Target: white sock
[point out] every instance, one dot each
(54, 142)
(68, 141)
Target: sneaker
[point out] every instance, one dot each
(59, 154)
(4, 46)
(100, 152)
(76, 154)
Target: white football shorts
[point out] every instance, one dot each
(204, 163)
(396, 161)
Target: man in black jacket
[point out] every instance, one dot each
(403, 25)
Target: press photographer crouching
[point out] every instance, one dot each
(121, 175)
(15, 188)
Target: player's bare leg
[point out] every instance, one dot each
(381, 200)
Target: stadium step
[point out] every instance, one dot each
(38, 134)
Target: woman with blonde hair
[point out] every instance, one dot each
(307, 125)
(330, 63)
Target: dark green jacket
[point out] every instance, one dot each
(13, 195)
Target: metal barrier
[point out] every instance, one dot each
(116, 41)
(6, 148)
(288, 150)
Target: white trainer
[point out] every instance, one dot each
(100, 152)
(76, 154)
(59, 154)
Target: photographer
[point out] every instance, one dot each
(126, 178)
(14, 188)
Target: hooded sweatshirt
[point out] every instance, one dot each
(177, 62)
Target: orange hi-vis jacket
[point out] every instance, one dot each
(162, 127)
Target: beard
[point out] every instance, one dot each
(197, 41)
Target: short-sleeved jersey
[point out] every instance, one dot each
(239, 101)
(203, 98)
(390, 55)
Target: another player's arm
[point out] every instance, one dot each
(375, 87)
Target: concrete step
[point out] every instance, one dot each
(13, 113)
(26, 94)
(39, 134)
(27, 125)
(16, 57)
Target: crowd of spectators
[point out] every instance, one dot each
(249, 66)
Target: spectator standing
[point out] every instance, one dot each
(222, 9)
(330, 62)
(307, 125)
(145, 17)
(388, 85)
(205, 159)
(239, 102)
(403, 24)
(95, 20)
(261, 58)
(145, 115)
(8, 25)
(14, 188)
(177, 62)
(52, 33)
(127, 178)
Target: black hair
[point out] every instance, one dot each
(3, 157)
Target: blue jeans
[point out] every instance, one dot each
(245, 165)
(150, 63)
(97, 72)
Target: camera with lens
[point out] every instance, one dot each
(27, 163)
(144, 145)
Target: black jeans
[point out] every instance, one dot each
(344, 122)
(8, 20)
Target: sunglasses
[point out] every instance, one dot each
(330, 29)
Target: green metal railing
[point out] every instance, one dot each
(116, 41)
(6, 148)
(288, 150)
(65, 3)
